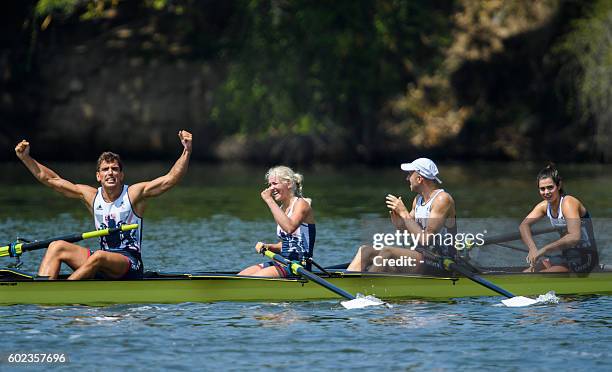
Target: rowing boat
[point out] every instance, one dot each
(17, 287)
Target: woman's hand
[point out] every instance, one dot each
(533, 256)
(260, 246)
(266, 195)
(540, 253)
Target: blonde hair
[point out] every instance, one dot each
(284, 173)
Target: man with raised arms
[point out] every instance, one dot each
(112, 204)
(431, 221)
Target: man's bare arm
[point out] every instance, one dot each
(440, 210)
(439, 214)
(160, 185)
(51, 179)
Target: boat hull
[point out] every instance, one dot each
(211, 287)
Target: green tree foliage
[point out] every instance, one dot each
(375, 77)
(47, 7)
(320, 67)
(586, 57)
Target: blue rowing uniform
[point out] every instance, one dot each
(295, 246)
(584, 256)
(126, 243)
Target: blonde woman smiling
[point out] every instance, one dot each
(295, 222)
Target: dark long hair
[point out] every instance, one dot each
(551, 171)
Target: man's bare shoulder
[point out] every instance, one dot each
(445, 198)
(87, 189)
(136, 190)
(87, 192)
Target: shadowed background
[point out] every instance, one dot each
(303, 82)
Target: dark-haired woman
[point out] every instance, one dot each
(576, 245)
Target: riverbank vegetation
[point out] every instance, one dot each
(309, 81)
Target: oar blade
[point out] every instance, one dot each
(511, 301)
(519, 301)
(363, 301)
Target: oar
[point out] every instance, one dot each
(499, 240)
(508, 237)
(518, 249)
(18, 248)
(451, 265)
(493, 240)
(298, 269)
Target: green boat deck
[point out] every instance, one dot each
(22, 288)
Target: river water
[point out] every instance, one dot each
(211, 222)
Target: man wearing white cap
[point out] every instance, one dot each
(432, 213)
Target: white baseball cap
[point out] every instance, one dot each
(425, 167)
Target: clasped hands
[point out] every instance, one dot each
(397, 210)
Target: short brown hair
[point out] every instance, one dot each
(109, 157)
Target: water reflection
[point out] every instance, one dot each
(481, 190)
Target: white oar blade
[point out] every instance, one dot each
(520, 301)
(361, 302)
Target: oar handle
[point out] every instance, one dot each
(19, 248)
(108, 231)
(293, 266)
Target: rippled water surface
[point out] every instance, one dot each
(472, 333)
(212, 221)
